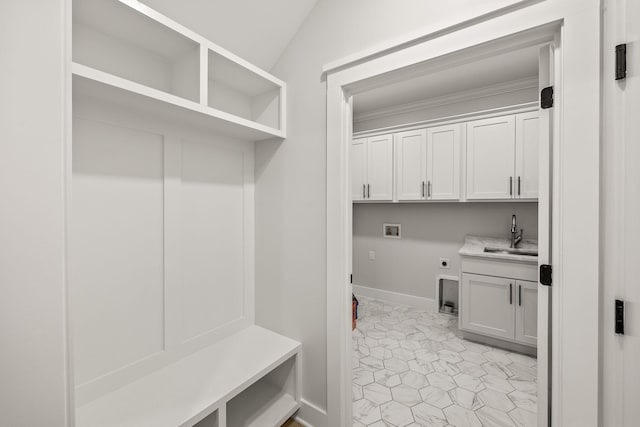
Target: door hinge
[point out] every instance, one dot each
(619, 317)
(546, 275)
(546, 97)
(621, 61)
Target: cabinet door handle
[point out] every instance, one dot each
(368, 191)
(364, 196)
(519, 294)
(429, 189)
(511, 186)
(422, 188)
(518, 186)
(510, 293)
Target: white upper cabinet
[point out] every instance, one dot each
(443, 162)
(500, 154)
(527, 143)
(372, 168)
(380, 168)
(490, 158)
(359, 169)
(411, 165)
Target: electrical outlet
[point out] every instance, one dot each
(372, 255)
(444, 263)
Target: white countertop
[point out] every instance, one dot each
(474, 246)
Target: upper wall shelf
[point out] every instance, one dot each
(150, 62)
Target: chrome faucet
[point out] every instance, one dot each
(515, 238)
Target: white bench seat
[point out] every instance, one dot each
(188, 390)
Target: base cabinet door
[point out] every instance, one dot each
(487, 305)
(527, 312)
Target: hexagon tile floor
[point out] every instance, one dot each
(411, 368)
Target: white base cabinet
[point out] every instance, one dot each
(497, 301)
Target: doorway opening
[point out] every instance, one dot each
(427, 148)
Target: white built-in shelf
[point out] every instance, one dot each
(251, 376)
(126, 53)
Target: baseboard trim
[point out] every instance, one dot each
(309, 415)
(422, 303)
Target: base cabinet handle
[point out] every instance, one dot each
(510, 293)
(519, 294)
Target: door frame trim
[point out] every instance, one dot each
(575, 335)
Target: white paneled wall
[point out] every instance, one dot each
(162, 243)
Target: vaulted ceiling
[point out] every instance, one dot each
(256, 30)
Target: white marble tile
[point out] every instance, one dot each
(365, 412)
(442, 381)
(524, 401)
(381, 353)
(469, 383)
(497, 369)
(529, 387)
(426, 355)
(446, 367)
(416, 365)
(472, 356)
(371, 363)
(436, 397)
(420, 366)
(523, 418)
(449, 356)
(494, 418)
(362, 376)
(413, 379)
(522, 359)
(406, 395)
(356, 391)
(396, 365)
(496, 400)
(465, 399)
(428, 416)
(396, 414)
(377, 393)
(387, 378)
(461, 417)
(403, 354)
(497, 383)
(471, 369)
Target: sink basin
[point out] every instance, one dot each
(511, 251)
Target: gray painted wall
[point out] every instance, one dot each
(430, 231)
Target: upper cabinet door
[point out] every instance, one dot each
(411, 164)
(380, 168)
(490, 158)
(358, 168)
(527, 312)
(443, 162)
(527, 156)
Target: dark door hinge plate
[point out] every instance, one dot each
(546, 97)
(546, 275)
(621, 61)
(619, 328)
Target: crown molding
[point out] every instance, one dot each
(464, 96)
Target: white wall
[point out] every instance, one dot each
(430, 231)
(33, 373)
(291, 175)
